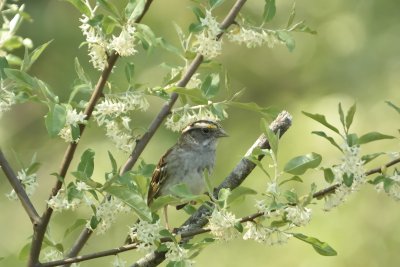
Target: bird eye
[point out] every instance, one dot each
(206, 130)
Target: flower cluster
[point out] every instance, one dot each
(350, 167)
(393, 190)
(262, 234)
(299, 216)
(124, 44)
(146, 233)
(29, 182)
(60, 202)
(97, 42)
(99, 45)
(181, 117)
(222, 224)
(73, 119)
(112, 113)
(252, 38)
(107, 213)
(207, 43)
(7, 99)
(179, 254)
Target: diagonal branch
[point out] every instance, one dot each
(19, 189)
(200, 218)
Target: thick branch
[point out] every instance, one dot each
(19, 190)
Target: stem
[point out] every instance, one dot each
(19, 189)
(332, 188)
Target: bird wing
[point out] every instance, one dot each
(157, 178)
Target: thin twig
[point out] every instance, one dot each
(331, 189)
(19, 190)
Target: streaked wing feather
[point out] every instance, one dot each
(157, 178)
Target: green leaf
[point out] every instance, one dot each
(24, 253)
(321, 119)
(107, 5)
(163, 201)
(328, 175)
(32, 57)
(194, 94)
(198, 13)
(81, 176)
(287, 38)
(269, 113)
(348, 179)
(370, 157)
(269, 10)
(291, 197)
(81, 72)
(137, 8)
(75, 225)
(240, 192)
(113, 163)
(129, 72)
(292, 15)
(3, 65)
(86, 165)
(397, 108)
(341, 115)
(330, 139)
(210, 86)
(182, 191)
(373, 136)
(55, 119)
(215, 3)
(293, 178)
(133, 199)
(299, 165)
(352, 139)
(81, 6)
(350, 115)
(320, 247)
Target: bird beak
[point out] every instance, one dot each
(222, 133)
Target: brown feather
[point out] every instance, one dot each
(157, 178)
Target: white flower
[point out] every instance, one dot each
(299, 216)
(107, 213)
(256, 232)
(273, 188)
(52, 255)
(60, 202)
(351, 166)
(276, 237)
(121, 139)
(211, 24)
(222, 224)
(7, 99)
(29, 182)
(97, 43)
(146, 233)
(207, 45)
(81, 186)
(73, 119)
(178, 254)
(124, 44)
(394, 188)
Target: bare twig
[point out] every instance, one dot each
(19, 189)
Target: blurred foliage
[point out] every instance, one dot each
(353, 58)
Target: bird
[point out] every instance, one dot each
(187, 160)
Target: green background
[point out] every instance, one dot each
(353, 58)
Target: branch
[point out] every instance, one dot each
(85, 234)
(200, 218)
(331, 189)
(19, 189)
